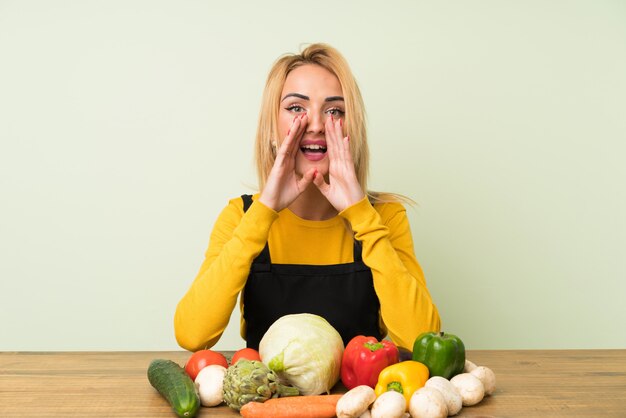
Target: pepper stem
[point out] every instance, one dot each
(395, 386)
(373, 346)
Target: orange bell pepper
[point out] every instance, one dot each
(405, 377)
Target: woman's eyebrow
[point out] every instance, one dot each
(303, 97)
(298, 95)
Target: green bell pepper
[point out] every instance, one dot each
(443, 354)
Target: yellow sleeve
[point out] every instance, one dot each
(406, 306)
(237, 238)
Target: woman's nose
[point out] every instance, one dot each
(316, 121)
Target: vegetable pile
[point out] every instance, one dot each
(438, 386)
(304, 355)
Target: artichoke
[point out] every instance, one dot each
(252, 381)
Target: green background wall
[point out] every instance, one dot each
(127, 125)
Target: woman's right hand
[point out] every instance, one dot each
(283, 185)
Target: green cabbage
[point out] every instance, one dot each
(304, 351)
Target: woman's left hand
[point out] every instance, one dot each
(343, 189)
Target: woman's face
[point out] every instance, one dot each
(313, 90)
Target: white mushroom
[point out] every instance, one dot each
(487, 377)
(453, 399)
(389, 404)
(428, 402)
(210, 382)
(366, 414)
(469, 366)
(355, 402)
(470, 387)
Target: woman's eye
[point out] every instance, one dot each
(335, 112)
(296, 109)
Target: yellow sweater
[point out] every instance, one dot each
(406, 308)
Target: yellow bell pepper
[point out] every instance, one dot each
(405, 377)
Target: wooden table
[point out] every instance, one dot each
(531, 383)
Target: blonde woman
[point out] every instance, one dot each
(314, 239)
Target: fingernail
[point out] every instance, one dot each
(332, 119)
(348, 137)
(341, 122)
(289, 131)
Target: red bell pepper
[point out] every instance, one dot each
(363, 360)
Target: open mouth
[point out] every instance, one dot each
(313, 149)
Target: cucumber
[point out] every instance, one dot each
(175, 385)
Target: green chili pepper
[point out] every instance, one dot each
(443, 354)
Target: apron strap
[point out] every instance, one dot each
(357, 251)
(247, 201)
(262, 259)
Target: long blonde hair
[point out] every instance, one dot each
(354, 123)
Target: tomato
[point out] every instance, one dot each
(202, 358)
(247, 353)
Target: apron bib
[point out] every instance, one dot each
(343, 294)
